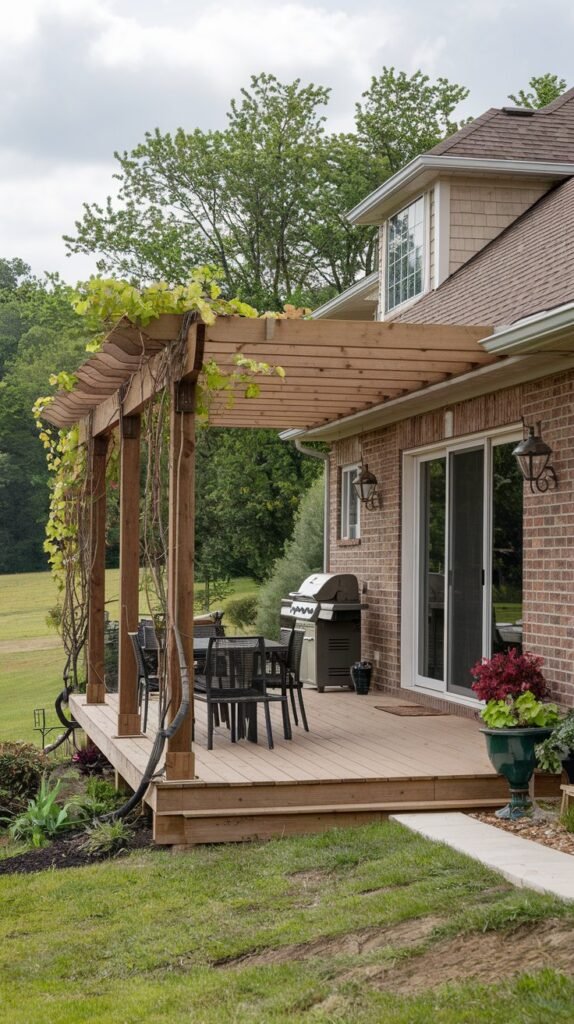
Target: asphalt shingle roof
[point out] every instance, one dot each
(546, 135)
(526, 269)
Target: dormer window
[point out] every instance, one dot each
(405, 262)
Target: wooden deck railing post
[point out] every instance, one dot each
(129, 721)
(180, 761)
(96, 690)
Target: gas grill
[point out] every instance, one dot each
(327, 607)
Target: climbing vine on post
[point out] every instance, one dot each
(104, 302)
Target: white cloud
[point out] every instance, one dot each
(228, 41)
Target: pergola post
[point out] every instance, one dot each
(129, 721)
(180, 761)
(97, 453)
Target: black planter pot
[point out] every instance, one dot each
(361, 676)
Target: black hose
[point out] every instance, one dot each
(163, 734)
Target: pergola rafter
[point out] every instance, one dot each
(332, 370)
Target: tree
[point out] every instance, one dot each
(303, 555)
(545, 89)
(39, 332)
(266, 198)
(249, 486)
(402, 117)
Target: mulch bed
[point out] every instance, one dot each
(544, 828)
(67, 853)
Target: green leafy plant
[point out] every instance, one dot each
(558, 746)
(21, 769)
(107, 837)
(100, 797)
(43, 819)
(519, 712)
(242, 611)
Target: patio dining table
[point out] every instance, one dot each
(276, 653)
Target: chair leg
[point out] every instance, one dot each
(302, 707)
(145, 707)
(294, 709)
(287, 732)
(233, 723)
(209, 726)
(268, 724)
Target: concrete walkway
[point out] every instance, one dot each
(521, 861)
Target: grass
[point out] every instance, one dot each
(138, 939)
(31, 675)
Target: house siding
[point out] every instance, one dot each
(480, 210)
(548, 610)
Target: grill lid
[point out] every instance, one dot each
(327, 586)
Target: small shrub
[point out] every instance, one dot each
(89, 760)
(567, 819)
(100, 797)
(242, 611)
(21, 768)
(43, 819)
(107, 837)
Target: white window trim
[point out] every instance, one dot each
(426, 258)
(348, 472)
(410, 553)
(441, 231)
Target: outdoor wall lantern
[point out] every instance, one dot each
(365, 484)
(532, 455)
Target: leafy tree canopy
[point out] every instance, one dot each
(266, 198)
(543, 90)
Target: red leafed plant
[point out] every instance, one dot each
(508, 674)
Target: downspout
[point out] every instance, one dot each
(324, 456)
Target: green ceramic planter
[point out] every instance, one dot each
(511, 753)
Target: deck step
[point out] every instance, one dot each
(240, 824)
(381, 806)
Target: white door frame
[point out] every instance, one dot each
(410, 551)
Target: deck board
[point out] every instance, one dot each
(353, 753)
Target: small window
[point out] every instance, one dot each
(405, 277)
(350, 518)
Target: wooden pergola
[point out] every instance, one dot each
(332, 370)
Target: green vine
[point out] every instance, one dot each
(104, 302)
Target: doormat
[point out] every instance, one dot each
(414, 710)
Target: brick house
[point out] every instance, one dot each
(461, 557)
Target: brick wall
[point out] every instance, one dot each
(548, 536)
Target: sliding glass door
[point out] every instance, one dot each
(469, 557)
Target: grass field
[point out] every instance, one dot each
(31, 656)
(328, 929)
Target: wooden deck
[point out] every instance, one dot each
(357, 763)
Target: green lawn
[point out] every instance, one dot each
(142, 939)
(31, 676)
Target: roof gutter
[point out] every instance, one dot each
(355, 291)
(532, 333)
(366, 211)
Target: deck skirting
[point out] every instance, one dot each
(357, 764)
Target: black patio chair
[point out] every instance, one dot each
(283, 672)
(148, 682)
(235, 678)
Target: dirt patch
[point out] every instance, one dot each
(482, 957)
(66, 853)
(545, 828)
(405, 934)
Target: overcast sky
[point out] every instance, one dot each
(82, 78)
